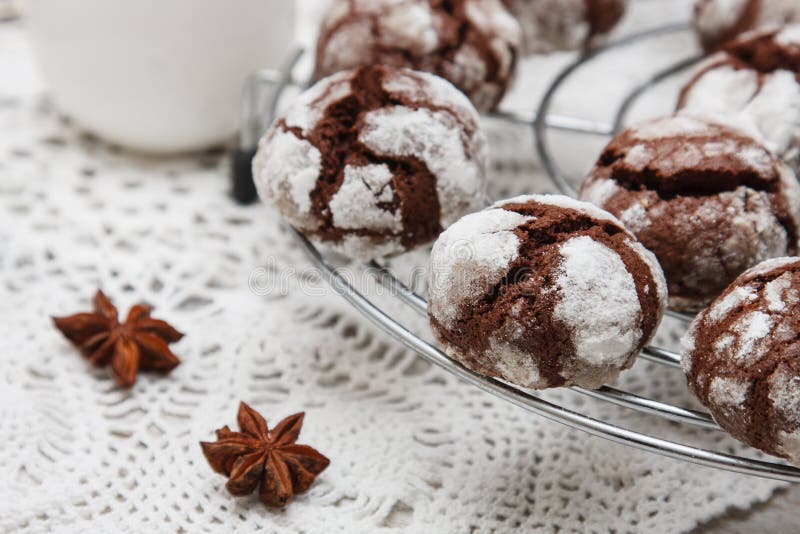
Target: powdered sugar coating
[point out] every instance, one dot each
(388, 186)
(516, 366)
(688, 346)
(601, 293)
(357, 203)
(718, 14)
(635, 217)
(561, 201)
(756, 158)
(474, 44)
(600, 314)
(709, 200)
(430, 90)
(713, 19)
(784, 393)
(469, 257)
(598, 192)
(670, 127)
(286, 169)
(764, 103)
(723, 306)
(503, 31)
(789, 443)
(435, 90)
(434, 138)
(656, 272)
(721, 88)
(729, 392)
(309, 106)
(789, 36)
(719, 21)
(740, 357)
(778, 291)
(750, 331)
(550, 25)
(774, 114)
(766, 267)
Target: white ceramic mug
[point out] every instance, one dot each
(157, 75)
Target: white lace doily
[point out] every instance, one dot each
(412, 449)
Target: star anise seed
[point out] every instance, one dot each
(257, 457)
(140, 343)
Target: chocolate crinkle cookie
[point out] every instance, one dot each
(718, 21)
(551, 25)
(374, 161)
(544, 291)
(708, 200)
(741, 357)
(472, 43)
(753, 83)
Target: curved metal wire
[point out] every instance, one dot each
(651, 406)
(608, 394)
(639, 90)
(662, 356)
(537, 405)
(559, 122)
(540, 124)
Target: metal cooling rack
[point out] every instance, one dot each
(542, 123)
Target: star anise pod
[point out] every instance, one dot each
(140, 343)
(259, 457)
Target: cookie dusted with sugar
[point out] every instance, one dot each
(374, 161)
(550, 25)
(753, 84)
(741, 357)
(718, 21)
(472, 43)
(544, 291)
(710, 201)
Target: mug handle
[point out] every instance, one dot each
(255, 121)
